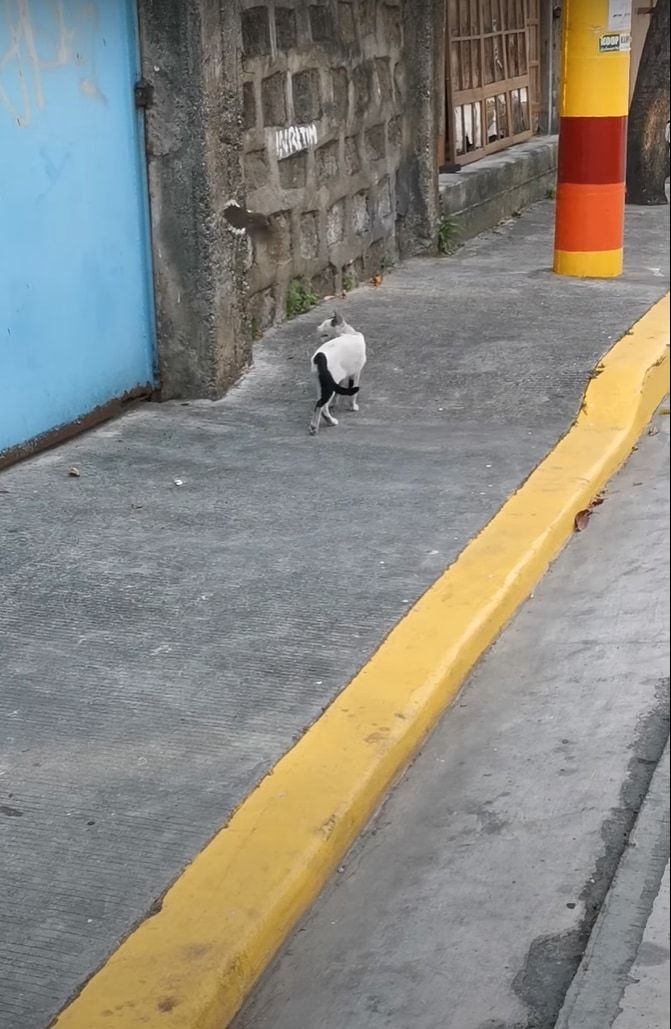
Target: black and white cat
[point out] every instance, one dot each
(338, 364)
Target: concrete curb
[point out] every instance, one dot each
(487, 192)
(191, 964)
(593, 999)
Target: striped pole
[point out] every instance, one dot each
(589, 218)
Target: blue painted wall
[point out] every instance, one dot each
(76, 308)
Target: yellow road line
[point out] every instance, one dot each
(191, 965)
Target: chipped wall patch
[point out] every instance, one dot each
(227, 207)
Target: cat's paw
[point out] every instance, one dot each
(355, 406)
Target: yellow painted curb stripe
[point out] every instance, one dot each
(191, 965)
(585, 264)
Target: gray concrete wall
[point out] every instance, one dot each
(332, 110)
(321, 115)
(190, 57)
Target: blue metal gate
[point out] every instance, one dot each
(76, 303)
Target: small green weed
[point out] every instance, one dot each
(300, 298)
(550, 193)
(448, 235)
(348, 282)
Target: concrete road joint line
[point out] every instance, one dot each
(191, 964)
(593, 999)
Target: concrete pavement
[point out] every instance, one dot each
(468, 902)
(164, 644)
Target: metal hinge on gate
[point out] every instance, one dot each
(144, 94)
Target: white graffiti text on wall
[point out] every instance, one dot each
(294, 139)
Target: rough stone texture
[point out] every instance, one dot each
(294, 172)
(360, 214)
(249, 105)
(327, 160)
(351, 69)
(309, 235)
(273, 99)
(285, 28)
(194, 151)
(306, 89)
(162, 645)
(256, 32)
(487, 192)
(416, 184)
(335, 223)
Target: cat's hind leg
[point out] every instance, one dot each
(326, 412)
(354, 383)
(321, 409)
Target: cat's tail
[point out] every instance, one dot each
(328, 384)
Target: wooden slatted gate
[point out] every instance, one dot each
(492, 76)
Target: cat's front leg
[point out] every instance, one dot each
(321, 410)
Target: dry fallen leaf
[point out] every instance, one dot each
(665, 412)
(598, 501)
(581, 520)
(74, 473)
(653, 431)
(377, 280)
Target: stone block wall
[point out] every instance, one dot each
(326, 132)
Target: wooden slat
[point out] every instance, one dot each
(534, 60)
(486, 39)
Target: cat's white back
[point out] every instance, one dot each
(344, 352)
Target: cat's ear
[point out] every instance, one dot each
(337, 319)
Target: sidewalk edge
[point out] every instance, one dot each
(594, 996)
(192, 963)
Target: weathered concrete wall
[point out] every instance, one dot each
(190, 57)
(321, 115)
(417, 201)
(330, 143)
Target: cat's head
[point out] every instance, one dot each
(333, 326)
